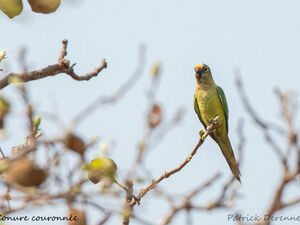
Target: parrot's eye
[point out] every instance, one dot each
(206, 69)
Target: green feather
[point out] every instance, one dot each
(224, 104)
(197, 110)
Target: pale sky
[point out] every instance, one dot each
(261, 37)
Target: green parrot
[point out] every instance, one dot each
(210, 102)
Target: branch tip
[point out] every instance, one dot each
(62, 66)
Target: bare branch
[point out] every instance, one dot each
(178, 168)
(186, 202)
(291, 202)
(63, 66)
(264, 126)
(105, 219)
(101, 100)
(63, 52)
(169, 173)
(288, 176)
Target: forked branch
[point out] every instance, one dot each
(62, 66)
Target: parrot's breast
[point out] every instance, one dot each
(210, 106)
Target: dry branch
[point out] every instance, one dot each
(169, 173)
(288, 175)
(62, 66)
(186, 202)
(102, 100)
(263, 125)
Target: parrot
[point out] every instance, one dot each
(210, 102)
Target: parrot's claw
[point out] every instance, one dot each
(201, 133)
(214, 120)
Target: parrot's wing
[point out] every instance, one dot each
(197, 110)
(224, 104)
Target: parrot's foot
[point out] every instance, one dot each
(213, 124)
(201, 133)
(214, 120)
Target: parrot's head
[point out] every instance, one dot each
(203, 74)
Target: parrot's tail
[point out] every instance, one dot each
(229, 156)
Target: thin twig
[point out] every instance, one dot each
(288, 176)
(169, 173)
(178, 168)
(102, 100)
(186, 202)
(249, 109)
(63, 66)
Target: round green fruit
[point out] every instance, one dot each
(11, 8)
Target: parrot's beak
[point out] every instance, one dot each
(198, 72)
